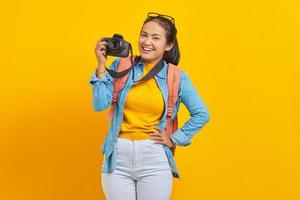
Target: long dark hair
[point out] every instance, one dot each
(173, 55)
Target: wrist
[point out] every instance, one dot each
(101, 66)
(172, 143)
(101, 70)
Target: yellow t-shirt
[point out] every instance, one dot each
(144, 107)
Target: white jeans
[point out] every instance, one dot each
(142, 172)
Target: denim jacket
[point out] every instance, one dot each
(102, 90)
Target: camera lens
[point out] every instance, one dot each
(115, 44)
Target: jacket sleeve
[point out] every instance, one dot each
(199, 115)
(102, 89)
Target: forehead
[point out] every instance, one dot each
(152, 28)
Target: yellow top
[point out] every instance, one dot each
(144, 107)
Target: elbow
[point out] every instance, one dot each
(98, 107)
(201, 117)
(101, 105)
(207, 117)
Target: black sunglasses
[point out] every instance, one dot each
(154, 14)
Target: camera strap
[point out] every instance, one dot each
(155, 70)
(116, 74)
(133, 61)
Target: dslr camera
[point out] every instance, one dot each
(117, 46)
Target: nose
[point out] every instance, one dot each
(147, 41)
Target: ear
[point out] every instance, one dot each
(169, 47)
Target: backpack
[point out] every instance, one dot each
(173, 80)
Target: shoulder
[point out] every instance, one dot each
(185, 81)
(183, 74)
(182, 80)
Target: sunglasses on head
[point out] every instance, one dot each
(154, 14)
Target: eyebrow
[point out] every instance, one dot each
(152, 34)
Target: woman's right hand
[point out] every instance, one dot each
(100, 51)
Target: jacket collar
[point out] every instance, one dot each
(161, 74)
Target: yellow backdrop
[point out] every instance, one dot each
(242, 56)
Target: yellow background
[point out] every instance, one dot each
(242, 56)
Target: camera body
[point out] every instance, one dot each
(117, 46)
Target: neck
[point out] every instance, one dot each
(151, 62)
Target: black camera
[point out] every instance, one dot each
(117, 46)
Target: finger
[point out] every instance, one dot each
(156, 138)
(156, 133)
(102, 43)
(103, 53)
(158, 142)
(101, 46)
(103, 50)
(98, 51)
(156, 128)
(101, 39)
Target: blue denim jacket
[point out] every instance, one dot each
(188, 95)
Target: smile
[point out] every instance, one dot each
(147, 49)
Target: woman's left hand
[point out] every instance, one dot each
(161, 137)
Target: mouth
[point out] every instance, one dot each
(147, 49)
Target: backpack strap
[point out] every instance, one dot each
(119, 83)
(173, 80)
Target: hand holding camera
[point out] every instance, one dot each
(117, 46)
(114, 46)
(100, 51)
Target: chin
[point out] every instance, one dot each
(146, 57)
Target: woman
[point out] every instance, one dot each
(138, 162)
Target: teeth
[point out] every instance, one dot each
(147, 49)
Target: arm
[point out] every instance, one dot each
(103, 88)
(198, 112)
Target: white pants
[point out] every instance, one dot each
(142, 172)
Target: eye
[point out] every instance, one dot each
(156, 38)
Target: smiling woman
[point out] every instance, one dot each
(137, 150)
(157, 39)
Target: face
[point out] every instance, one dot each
(152, 42)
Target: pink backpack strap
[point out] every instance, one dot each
(173, 80)
(119, 83)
